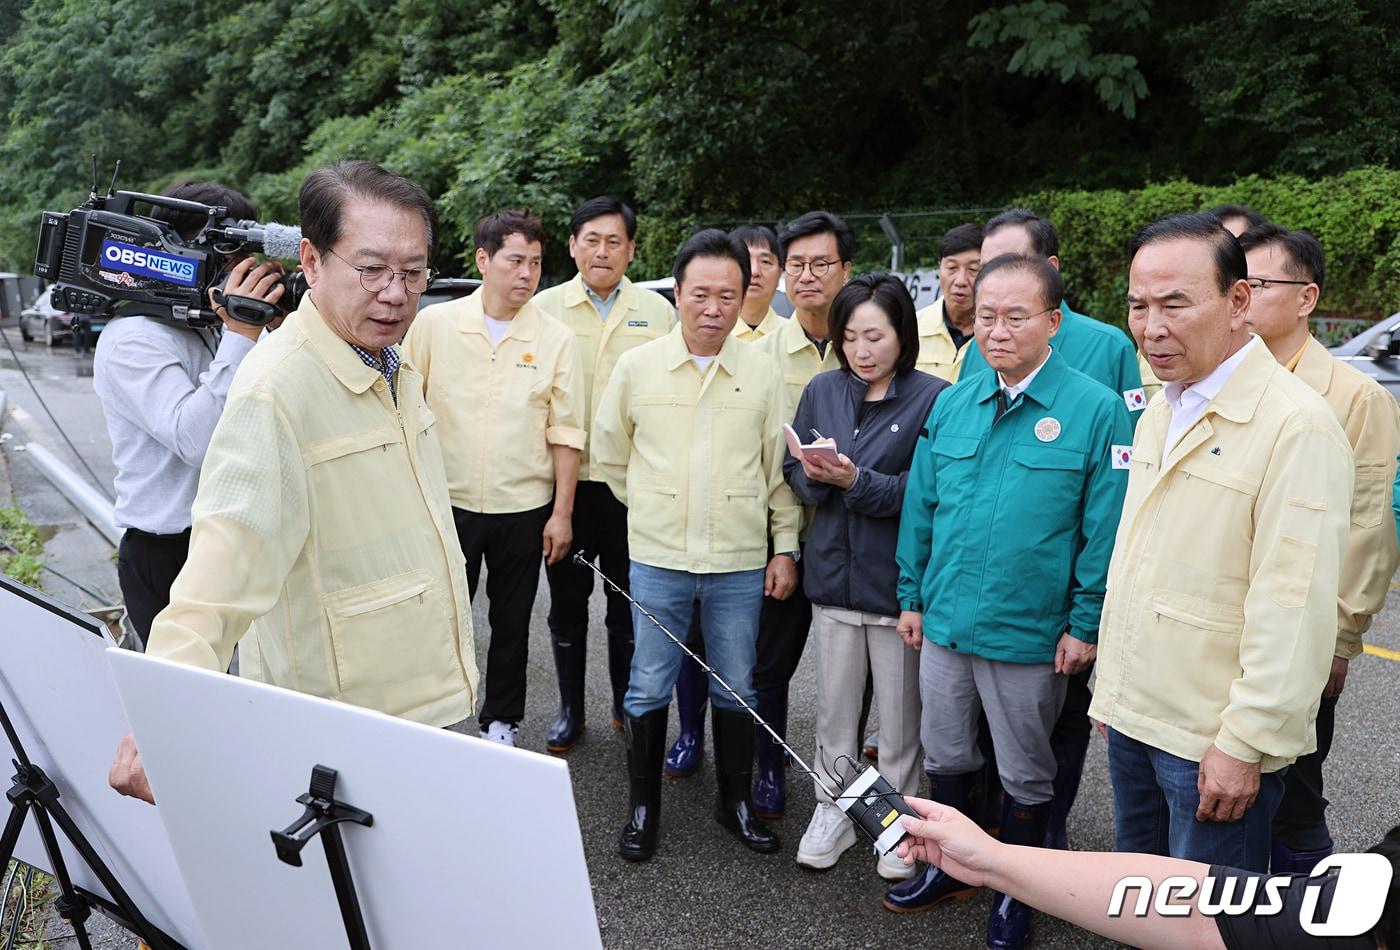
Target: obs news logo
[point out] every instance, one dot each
(1357, 898)
(138, 260)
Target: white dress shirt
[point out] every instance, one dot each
(1013, 391)
(162, 389)
(1188, 403)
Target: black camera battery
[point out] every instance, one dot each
(874, 805)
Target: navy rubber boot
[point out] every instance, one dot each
(931, 886)
(687, 752)
(770, 786)
(1284, 860)
(1009, 925)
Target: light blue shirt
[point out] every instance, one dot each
(604, 306)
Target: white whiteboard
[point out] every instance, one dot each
(57, 687)
(470, 839)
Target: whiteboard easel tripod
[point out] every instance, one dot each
(34, 793)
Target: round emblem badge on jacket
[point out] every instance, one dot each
(1047, 429)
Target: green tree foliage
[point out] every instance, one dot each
(699, 112)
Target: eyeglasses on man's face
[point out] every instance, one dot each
(1264, 283)
(1015, 320)
(819, 268)
(375, 277)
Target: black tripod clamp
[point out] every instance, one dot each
(322, 813)
(322, 817)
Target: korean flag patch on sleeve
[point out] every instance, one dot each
(1122, 455)
(1135, 399)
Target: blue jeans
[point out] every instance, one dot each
(729, 605)
(1154, 807)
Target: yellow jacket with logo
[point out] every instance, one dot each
(637, 317)
(323, 530)
(770, 323)
(499, 409)
(1220, 617)
(698, 458)
(1371, 420)
(798, 360)
(938, 355)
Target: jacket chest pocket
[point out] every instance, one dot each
(795, 383)
(661, 425)
(738, 436)
(390, 642)
(1213, 495)
(955, 464)
(1058, 471)
(341, 471)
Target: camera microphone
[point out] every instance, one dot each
(276, 240)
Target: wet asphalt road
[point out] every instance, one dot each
(702, 889)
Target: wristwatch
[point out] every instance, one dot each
(795, 555)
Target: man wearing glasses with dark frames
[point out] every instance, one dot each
(816, 250)
(1286, 270)
(322, 525)
(1004, 543)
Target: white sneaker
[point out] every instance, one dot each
(892, 868)
(502, 732)
(827, 837)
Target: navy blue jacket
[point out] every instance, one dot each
(848, 558)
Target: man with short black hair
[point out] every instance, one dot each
(608, 315)
(758, 318)
(323, 543)
(945, 326)
(505, 383)
(1286, 270)
(1004, 543)
(689, 433)
(816, 251)
(1221, 616)
(162, 385)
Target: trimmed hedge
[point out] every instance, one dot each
(1356, 216)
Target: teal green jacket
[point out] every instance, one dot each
(1395, 503)
(1007, 526)
(1094, 348)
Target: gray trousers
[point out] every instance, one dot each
(1022, 702)
(848, 643)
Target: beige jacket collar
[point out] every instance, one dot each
(575, 295)
(678, 354)
(1316, 366)
(471, 318)
(342, 361)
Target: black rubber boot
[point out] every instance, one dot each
(620, 646)
(733, 731)
(1069, 767)
(569, 661)
(933, 887)
(646, 743)
(1009, 925)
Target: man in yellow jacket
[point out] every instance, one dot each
(608, 315)
(945, 326)
(1220, 619)
(690, 434)
(322, 528)
(504, 381)
(1286, 270)
(758, 318)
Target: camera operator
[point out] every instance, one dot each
(162, 385)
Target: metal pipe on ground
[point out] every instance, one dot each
(88, 500)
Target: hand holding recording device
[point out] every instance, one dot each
(868, 799)
(103, 254)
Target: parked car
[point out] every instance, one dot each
(447, 288)
(1376, 352)
(41, 320)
